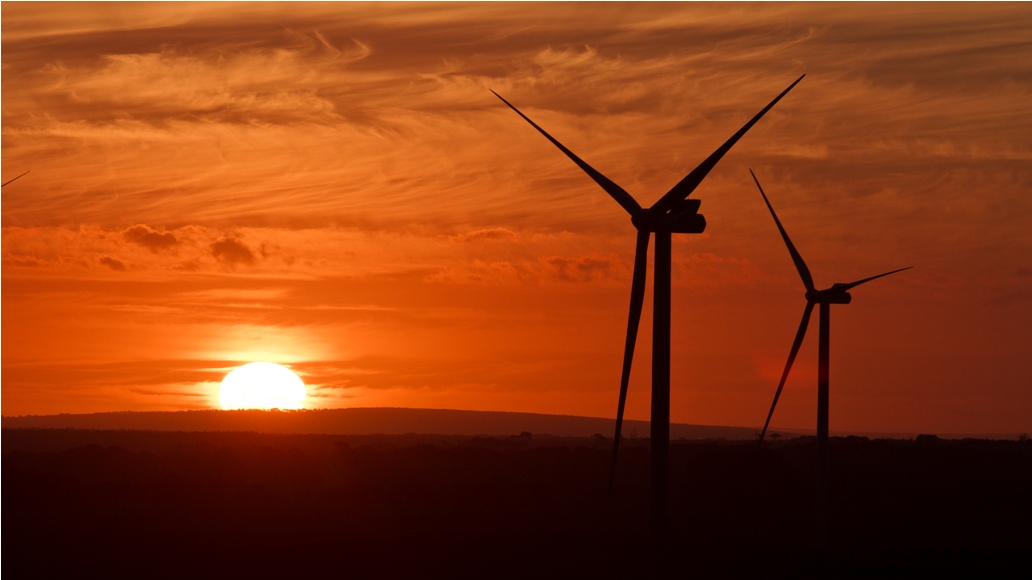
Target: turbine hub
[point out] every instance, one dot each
(828, 296)
(684, 218)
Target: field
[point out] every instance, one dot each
(91, 503)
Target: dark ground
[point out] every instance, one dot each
(146, 504)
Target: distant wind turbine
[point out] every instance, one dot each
(837, 294)
(673, 213)
(10, 180)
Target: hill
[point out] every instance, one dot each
(363, 421)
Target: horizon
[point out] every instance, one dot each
(335, 189)
(781, 431)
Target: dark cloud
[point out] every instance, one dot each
(114, 263)
(152, 240)
(583, 268)
(232, 251)
(189, 265)
(24, 262)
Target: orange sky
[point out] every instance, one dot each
(333, 187)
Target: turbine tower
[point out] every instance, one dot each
(837, 294)
(673, 213)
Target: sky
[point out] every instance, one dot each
(333, 187)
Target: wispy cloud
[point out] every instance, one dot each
(210, 182)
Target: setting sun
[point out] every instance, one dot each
(262, 385)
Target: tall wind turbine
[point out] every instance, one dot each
(673, 213)
(837, 294)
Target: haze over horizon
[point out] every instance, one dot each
(334, 188)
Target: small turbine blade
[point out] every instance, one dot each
(686, 186)
(845, 287)
(641, 255)
(622, 197)
(800, 265)
(788, 366)
(10, 180)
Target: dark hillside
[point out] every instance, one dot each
(359, 421)
(153, 504)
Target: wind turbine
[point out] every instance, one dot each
(837, 294)
(673, 213)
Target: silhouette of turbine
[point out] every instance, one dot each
(837, 294)
(10, 180)
(673, 213)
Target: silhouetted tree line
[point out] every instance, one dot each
(149, 504)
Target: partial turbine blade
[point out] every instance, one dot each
(845, 287)
(622, 197)
(10, 180)
(788, 366)
(641, 255)
(686, 186)
(800, 265)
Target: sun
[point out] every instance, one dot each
(262, 385)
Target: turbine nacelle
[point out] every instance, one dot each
(831, 295)
(684, 218)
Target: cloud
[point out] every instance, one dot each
(189, 265)
(232, 251)
(57, 251)
(477, 272)
(591, 268)
(144, 373)
(233, 129)
(488, 234)
(362, 147)
(27, 262)
(113, 263)
(548, 270)
(168, 393)
(150, 239)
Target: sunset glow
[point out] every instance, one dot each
(262, 385)
(333, 185)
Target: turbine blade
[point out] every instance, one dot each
(686, 186)
(622, 197)
(800, 265)
(641, 256)
(10, 180)
(845, 287)
(788, 366)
